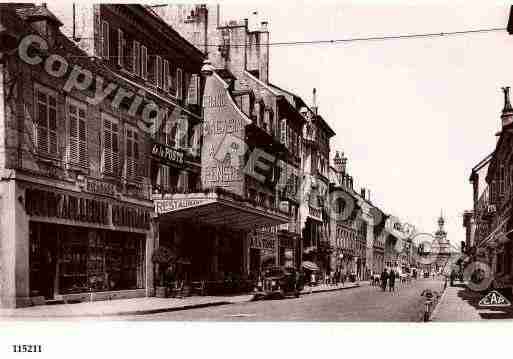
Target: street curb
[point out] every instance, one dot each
(435, 311)
(172, 309)
(331, 290)
(134, 312)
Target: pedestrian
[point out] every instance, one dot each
(391, 280)
(453, 277)
(384, 278)
(343, 278)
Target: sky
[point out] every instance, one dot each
(413, 116)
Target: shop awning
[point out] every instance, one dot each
(216, 210)
(310, 266)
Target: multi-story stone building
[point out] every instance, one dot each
(489, 225)
(357, 237)
(270, 128)
(77, 164)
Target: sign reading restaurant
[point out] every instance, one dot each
(167, 153)
(171, 205)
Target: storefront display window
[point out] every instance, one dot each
(85, 259)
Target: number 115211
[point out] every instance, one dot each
(30, 348)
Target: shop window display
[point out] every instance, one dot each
(85, 259)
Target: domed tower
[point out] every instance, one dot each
(441, 235)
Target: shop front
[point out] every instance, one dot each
(220, 236)
(84, 247)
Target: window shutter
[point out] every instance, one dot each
(134, 167)
(107, 147)
(192, 93)
(136, 58)
(179, 84)
(77, 146)
(105, 39)
(115, 150)
(82, 138)
(120, 47)
(110, 148)
(46, 123)
(73, 134)
(144, 62)
(52, 125)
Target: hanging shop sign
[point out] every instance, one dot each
(171, 205)
(59, 205)
(167, 154)
(262, 240)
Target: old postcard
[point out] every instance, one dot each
(255, 162)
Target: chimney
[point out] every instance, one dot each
(368, 195)
(339, 163)
(362, 193)
(314, 101)
(263, 26)
(507, 111)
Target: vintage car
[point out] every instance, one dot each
(279, 282)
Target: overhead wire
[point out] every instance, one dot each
(354, 39)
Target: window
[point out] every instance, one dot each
(172, 80)
(132, 153)
(144, 62)
(283, 131)
(46, 121)
(105, 43)
(77, 139)
(120, 47)
(110, 157)
(181, 126)
(158, 71)
(136, 58)
(179, 84)
(166, 75)
(194, 89)
(163, 178)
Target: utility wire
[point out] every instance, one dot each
(354, 39)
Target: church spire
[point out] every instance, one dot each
(441, 220)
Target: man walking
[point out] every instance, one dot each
(384, 277)
(391, 280)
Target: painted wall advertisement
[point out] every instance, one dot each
(223, 139)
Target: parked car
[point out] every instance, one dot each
(279, 282)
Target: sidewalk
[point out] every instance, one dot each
(138, 306)
(462, 304)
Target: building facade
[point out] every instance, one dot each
(77, 158)
(489, 225)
